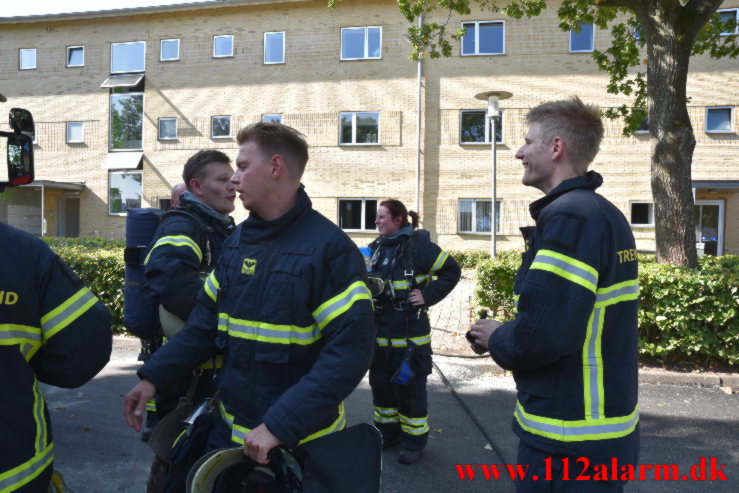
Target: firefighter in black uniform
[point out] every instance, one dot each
(184, 250)
(417, 274)
(52, 330)
(573, 344)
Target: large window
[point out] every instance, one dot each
(75, 56)
(220, 127)
(124, 191)
(223, 46)
(274, 47)
(474, 127)
(483, 38)
(726, 15)
(272, 118)
(719, 119)
(642, 214)
(474, 216)
(359, 128)
(27, 58)
(127, 57)
(357, 214)
(361, 43)
(126, 121)
(75, 132)
(169, 50)
(167, 128)
(583, 41)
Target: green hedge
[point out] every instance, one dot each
(469, 258)
(684, 314)
(99, 263)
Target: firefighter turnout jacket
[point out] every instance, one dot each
(52, 330)
(573, 344)
(289, 308)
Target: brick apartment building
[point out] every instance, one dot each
(122, 98)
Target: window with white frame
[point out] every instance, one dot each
(169, 50)
(474, 127)
(483, 38)
(272, 118)
(357, 214)
(126, 121)
(274, 47)
(75, 132)
(474, 216)
(164, 203)
(361, 43)
(642, 213)
(584, 40)
(719, 119)
(726, 15)
(167, 128)
(125, 189)
(223, 46)
(643, 127)
(27, 58)
(127, 57)
(359, 128)
(75, 56)
(220, 127)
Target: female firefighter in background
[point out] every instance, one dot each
(417, 274)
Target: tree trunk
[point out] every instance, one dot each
(669, 43)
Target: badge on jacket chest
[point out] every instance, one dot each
(249, 266)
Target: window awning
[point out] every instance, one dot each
(123, 80)
(123, 160)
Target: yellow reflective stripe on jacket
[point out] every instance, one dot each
(67, 312)
(211, 286)
(404, 284)
(414, 426)
(567, 267)
(212, 363)
(265, 332)
(339, 304)
(419, 341)
(386, 415)
(439, 262)
(39, 418)
(27, 338)
(577, 430)
(592, 354)
(178, 241)
(19, 476)
(239, 432)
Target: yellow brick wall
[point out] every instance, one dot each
(314, 85)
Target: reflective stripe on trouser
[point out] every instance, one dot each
(23, 474)
(239, 432)
(151, 406)
(419, 341)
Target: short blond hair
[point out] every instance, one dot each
(275, 138)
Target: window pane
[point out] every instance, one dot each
(170, 49)
(718, 120)
(273, 47)
(473, 126)
(126, 118)
(127, 57)
(641, 213)
(75, 132)
(468, 41)
(726, 16)
(124, 192)
(582, 41)
(221, 126)
(367, 126)
(370, 213)
(276, 118)
(28, 58)
(352, 42)
(491, 38)
(465, 215)
(223, 46)
(374, 40)
(346, 128)
(167, 128)
(482, 216)
(76, 56)
(497, 216)
(350, 214)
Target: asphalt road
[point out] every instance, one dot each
(96, 452)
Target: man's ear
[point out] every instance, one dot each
(195, 187)
(278, 167)
(558, 148)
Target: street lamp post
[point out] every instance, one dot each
(493, 97)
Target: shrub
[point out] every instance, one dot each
(99, 263)
(684, 314)
(469, 258)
